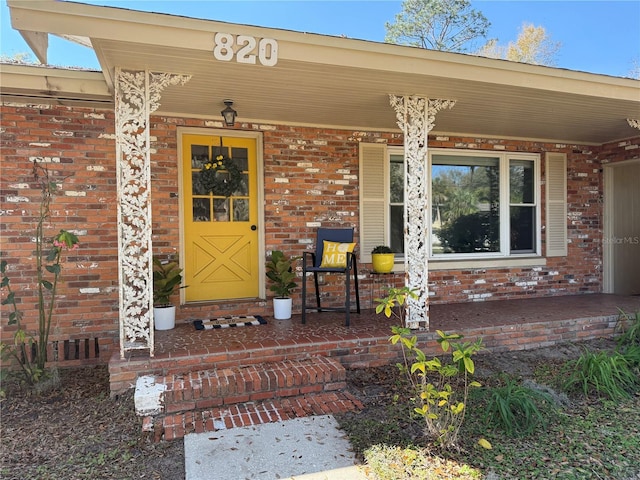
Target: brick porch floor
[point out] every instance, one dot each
(503, 325)
(225, 378)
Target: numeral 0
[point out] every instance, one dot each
(224, 51)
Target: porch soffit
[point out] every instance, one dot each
(340, 82)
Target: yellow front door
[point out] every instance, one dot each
(220, 226)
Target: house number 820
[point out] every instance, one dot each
(226, 46)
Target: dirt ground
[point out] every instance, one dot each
(76, 431)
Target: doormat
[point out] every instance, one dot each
(227, 322)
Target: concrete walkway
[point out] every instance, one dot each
(311, 448)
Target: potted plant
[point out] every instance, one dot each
(383, 259)
(167, 277)
(280, 272)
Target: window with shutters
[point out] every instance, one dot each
(483, 204)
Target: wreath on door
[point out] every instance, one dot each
(221, 176)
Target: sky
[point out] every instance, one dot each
(596, 36)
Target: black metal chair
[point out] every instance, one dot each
(312, 262)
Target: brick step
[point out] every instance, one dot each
(175, 426)
(172, 403)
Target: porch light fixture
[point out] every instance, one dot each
(229, 114)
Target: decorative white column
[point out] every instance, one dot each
(416, 118)
(137, 94)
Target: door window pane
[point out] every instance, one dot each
(244, 185)
(196, 185)
(221, 209)
(201, 210)
(199, 155)
(241, 210)
(240, 157)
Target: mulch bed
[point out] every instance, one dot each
(74, 430)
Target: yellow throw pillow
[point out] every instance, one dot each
(334, 254)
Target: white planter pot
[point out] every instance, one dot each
(282, 308)
(164, 318)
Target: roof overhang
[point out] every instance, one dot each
(340, 82)
(35, 84)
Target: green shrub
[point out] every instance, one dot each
(632, 355)
(515, 408)
(441, 387)
(629, 326)
(608, 374)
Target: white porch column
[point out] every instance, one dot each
(137, 94)
(416, 118)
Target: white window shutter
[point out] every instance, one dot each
(556, 204)
(373, 208)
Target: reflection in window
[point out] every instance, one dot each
(465, 204)
(201, 210)
(396, 203)
(196, 185)
(523, 229)
(241, 158)
(221, 209)
(482, 203)
(199, 155)
(522, 208)
(241, 210)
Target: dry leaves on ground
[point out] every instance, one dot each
(76, 431)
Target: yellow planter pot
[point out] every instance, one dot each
(383, 262)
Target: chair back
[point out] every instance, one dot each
(342, 235)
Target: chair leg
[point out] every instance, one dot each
(347, 305)
(304, 296)
(315, 279)
(355, 280)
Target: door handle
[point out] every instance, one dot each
(254, 228)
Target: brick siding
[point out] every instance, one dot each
(310, 180)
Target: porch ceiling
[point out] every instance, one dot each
(340, 82)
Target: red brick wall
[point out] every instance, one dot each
(77, 147)
(619, 151)
(310, 177)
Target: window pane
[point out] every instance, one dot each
(221, 209)
(466, 204)
(397, 228)
(522, 181)
(523, 229)
(196, 184)
(244, 186)
(201, 210)
(396, 183)
(240, 157)
(240, 210)
(199, 155)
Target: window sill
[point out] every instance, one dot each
(487, 263)
(464, 264)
